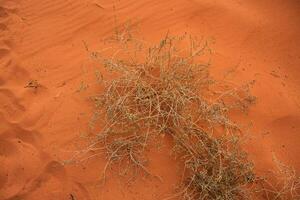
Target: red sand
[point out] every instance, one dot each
(44, 41)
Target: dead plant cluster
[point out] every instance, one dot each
(166, 89)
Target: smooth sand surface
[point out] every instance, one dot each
(47, 41)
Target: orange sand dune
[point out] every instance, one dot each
(47, 40)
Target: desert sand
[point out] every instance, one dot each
(44, 44)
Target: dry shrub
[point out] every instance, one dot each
(215, 168)
(166, 89)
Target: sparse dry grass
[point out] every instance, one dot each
(281, 184)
